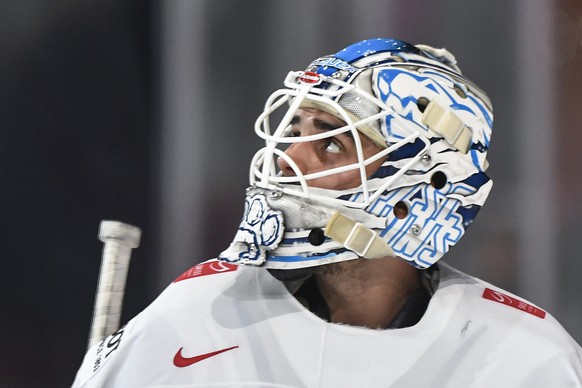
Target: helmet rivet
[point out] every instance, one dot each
(415, 229)
(275, 194)
(426, 159)
(336, 75)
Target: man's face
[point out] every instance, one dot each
(324, 154)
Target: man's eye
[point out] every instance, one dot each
(332, 146)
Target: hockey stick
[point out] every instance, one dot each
(118, 239)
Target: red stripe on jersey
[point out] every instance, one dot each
(208, 268)
(507, 300)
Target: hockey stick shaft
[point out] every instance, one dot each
(118, 241)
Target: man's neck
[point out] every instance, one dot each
(366, 292)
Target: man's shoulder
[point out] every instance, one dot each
(487, 298)
(207, 269)
(178, 313)
(199, 284)
(502, 309)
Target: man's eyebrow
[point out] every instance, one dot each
(326, 125)
(321, 125)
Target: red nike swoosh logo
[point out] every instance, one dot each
(181, 361)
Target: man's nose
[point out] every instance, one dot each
(295, 152)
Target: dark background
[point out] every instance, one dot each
(75, 135)
(143, 112)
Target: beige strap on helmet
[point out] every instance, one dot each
(447, 124)
(356, 237)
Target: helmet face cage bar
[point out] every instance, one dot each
(266, 175)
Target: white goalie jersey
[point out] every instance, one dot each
(223, 325)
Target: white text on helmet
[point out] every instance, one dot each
(335, 63)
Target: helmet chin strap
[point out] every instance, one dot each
(269, 215)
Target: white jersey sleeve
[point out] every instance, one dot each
(228, 326)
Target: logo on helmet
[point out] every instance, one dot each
(310, 77)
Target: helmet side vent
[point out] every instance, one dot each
(460, 91)
(422, 103)
(438, 180)
(400, 210)
(316, 237)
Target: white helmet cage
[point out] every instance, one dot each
(433, 127)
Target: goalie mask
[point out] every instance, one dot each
(413, 197)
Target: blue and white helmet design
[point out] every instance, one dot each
(434, 128)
